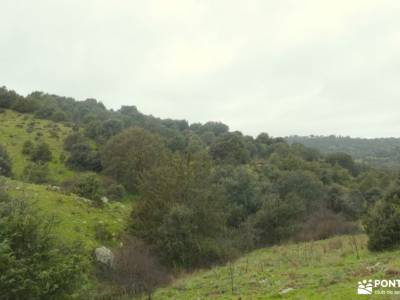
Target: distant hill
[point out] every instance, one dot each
(378, 152)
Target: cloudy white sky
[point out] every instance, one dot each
(284, 67)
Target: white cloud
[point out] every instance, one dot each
(285, 67)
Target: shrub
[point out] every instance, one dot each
(277, 220)
(41, 153)
(5, 162)
(88, 186)
(114, 190)
(27, 147)
(73, 139)
(32, 265)
(58, 116)
(82, 157)
(36, 173)
(136, 270)
(103, 234)
(323, 224)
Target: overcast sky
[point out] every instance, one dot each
(282, 67)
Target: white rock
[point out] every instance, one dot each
(104, 256)
(285, 291)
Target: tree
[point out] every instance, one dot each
(129, 154)
(8, 98)
(305, 186)
(382, 224)
(32, 264)
(277, 220)
(73, 139)
(181, 212)
(25, 105)
(5, 162)
(82, 157)
(230, 148)
(344, 160)
(243, 191)
(217, 128)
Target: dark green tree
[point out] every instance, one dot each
(181, 212)
(344, 160)
(129, 154)
(82, 157)
(230, 148)
(383, 222)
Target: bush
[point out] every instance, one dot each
(36, 173)
(383, 222)
(73, 139)
(103, 234)
(41, 153)
(136, 270)
(113, 190)
(82, 158)
(5, 162)
(32, 265)
(88, 186)
(323, 224)
(27, 147)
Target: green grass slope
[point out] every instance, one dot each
(15, 130)
(328, 269)
(76, 218)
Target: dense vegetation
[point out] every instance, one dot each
(33, 265)
(201, 194)
(376, 152)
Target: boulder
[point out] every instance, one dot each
(104, 256)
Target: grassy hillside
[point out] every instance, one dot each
(16, 128)
(77, 219)
(328, 269)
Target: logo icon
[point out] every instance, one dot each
(365, 287)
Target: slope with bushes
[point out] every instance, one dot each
(76, 218)
(17, 128)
